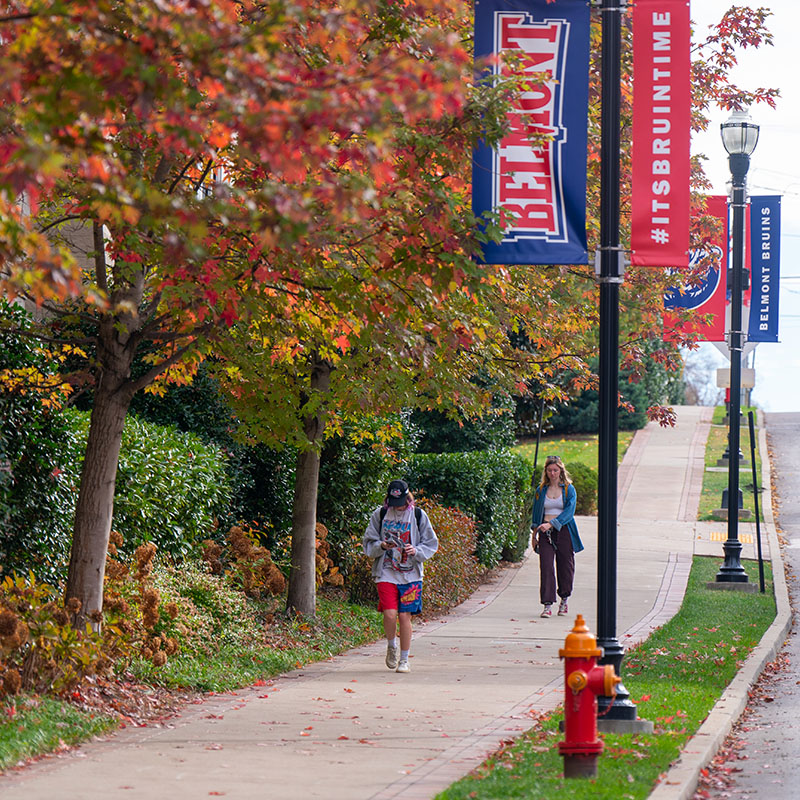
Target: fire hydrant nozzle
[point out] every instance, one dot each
(578, 680)
(584, 681)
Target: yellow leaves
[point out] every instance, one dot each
(50, 389)
(71, 350)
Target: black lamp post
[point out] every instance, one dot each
(740, 137)
(610, 277)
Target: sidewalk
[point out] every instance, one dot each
(349, 729)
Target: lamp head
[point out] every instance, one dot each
(739, 134)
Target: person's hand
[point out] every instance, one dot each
(410, 550)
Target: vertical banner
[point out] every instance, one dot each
(539, 192)
(661, 133)
(765, 260)
(708, 296)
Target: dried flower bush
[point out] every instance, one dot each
(39, 648)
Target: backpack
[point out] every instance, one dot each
(417, 515)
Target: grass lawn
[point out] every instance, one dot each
(577, 447)
(675, 677)
(716, 480)
(337, 627)
(35, 725)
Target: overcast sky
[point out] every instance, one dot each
(774, 169)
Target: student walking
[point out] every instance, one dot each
(399, 538)
(555, 535)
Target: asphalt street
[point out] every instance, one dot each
(762, 756)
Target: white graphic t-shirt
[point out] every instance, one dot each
(397, 530)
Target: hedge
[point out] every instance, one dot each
(491, 486)
(170, 489)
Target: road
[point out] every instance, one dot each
(761, 758)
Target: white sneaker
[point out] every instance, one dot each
(403, 666)
(392, 654)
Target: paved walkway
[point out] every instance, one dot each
(349, 729)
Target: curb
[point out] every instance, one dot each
(680, 782)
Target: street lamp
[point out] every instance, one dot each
(740, 137)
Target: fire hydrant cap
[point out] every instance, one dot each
(580, 643)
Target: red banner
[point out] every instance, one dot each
(708, 296)
(661, 133)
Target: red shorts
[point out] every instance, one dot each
(405, 597)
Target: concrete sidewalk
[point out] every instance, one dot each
(349, 729)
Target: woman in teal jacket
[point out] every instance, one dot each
(555, 535)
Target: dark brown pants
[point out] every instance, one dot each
(564, 557)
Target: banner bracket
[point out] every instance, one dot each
(619, 277)
(736, 340)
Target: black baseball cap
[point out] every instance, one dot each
(397, 493)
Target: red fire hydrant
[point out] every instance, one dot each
(584, 680)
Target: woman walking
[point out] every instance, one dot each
(555, 535)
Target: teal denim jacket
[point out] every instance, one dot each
(566, 517)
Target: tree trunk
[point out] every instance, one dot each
(302, 594)
(95, 506)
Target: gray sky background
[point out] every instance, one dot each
(774, 169)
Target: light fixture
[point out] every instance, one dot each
(739, 134)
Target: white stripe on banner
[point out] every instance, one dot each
(765, 260)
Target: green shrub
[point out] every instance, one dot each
(581, 413)
(34, 441)
(171, 488)
(584, 478)
(514, 551)
(492, 487)
(454, 572)
(442, 434)
(261, 479)
(212, 612)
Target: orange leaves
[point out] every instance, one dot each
(95, 168)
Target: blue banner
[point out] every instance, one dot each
(765, 261)
(539, 192)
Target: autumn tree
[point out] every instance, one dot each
(228, 168)
(281, 187)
